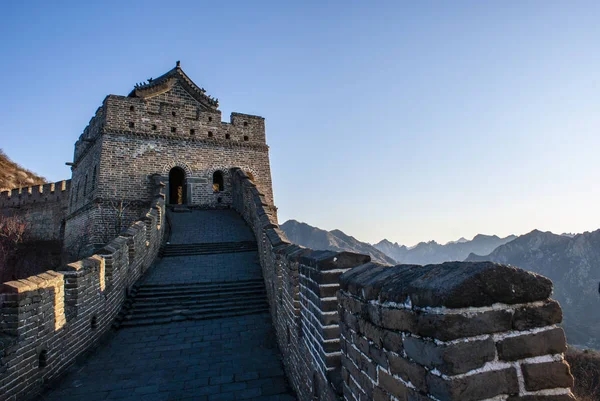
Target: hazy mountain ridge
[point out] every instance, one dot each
(14, 176)
(573, 264)
(334, 240)
(432, 252)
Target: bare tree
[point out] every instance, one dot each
(112, 217)
(13, 232)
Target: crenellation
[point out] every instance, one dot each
(357, 330)
(59, 315)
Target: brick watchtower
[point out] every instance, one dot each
(169, 127)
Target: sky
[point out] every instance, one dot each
(411, 121)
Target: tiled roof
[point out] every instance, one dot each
(176, 74)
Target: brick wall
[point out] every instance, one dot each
(43, 207)
(354, 330)
(132, 138)
(301, 286)
(47, 320)
(456, 331)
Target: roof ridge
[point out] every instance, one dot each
(176, 72)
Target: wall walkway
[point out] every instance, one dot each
(170, 347)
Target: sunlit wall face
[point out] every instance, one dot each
(398, 121)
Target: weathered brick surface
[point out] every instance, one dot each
(529, 345)
(539, 375)
(49, 319)
(302, 295)
(43, 207)
(410, 326)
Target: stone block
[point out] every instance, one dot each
(451, 284)
(398, 319)
(408, 371)
(528, 317)
(557, 397)
(450, 359)
(529, 345)
(540, 376)
(447, 327)
(392, 385)
(474, 387)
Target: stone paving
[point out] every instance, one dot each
(205, 268)
(233, 358)
(200, 226)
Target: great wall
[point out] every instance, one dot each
(199, 294)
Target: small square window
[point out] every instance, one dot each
(192, 131)
(131, 124)
(173, 129)
(209, 119)
(173, 114)
(210, 134)
(154, 127)
(245, 123)
(227, 136)
(131, 108)
(246, 138)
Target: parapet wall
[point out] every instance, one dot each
(456, 331)
(47, 320)
(354, 330)
(43, 207)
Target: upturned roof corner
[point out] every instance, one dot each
(154, 86)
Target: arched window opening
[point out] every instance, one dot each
(177, 195)
(218, 181)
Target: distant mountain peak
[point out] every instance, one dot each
(334, 240)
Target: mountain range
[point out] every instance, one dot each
(335, 240)
(431, 252)
(571, 261)
(573, 265)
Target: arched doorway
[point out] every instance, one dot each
(177, 192)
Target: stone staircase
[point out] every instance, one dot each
(151, 304)
(207, 248)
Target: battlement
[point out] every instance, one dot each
(47, 320)
(354, 330)
(45, 193)
(181, 118)
(91, 132)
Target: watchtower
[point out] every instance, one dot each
(167, 127)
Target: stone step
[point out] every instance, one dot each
(179, 318)
(209, 284)
(193, 292)
(183, 296)
(170, 250)
(210, 310)
(199, 308)
(195, 301)
(200, 289)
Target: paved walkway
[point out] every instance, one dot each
(233, 358)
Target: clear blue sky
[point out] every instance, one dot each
(402, 120)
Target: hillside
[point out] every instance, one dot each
(432, 252)
(14, 176)
(335, 240)
(573, 264)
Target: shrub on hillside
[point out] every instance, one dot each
(585, 367)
